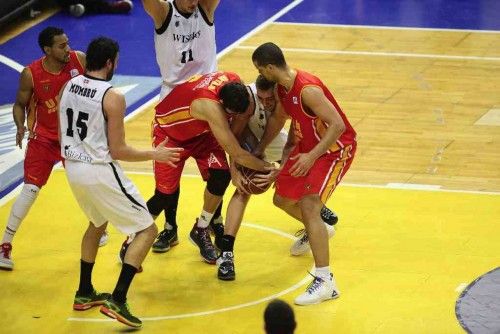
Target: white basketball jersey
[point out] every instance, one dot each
(82, 124)
(185, 46)
(257, 124)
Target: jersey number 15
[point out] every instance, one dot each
(81, 123)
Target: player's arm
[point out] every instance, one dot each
(23, 97)
(213, 114)
(275, 123)
(158, 10)
(239, 122)
(314, 99)
(114, 108)
(209, 7)
(82, 58)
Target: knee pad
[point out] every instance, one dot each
(161, 201)
(24, 201)
(218, 181)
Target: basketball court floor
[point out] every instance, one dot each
(419, 209)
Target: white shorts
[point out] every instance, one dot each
(274, 150)
(105, 194)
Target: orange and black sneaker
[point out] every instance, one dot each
(120, 312)
(84, 302)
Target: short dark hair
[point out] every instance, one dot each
(279, 318)
(269, 54)
(263, 84)
(99, 51)
(46, 37)
(235, 97)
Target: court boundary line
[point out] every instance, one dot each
(376, 53)
(389, 185)
(361, 26)
(294, 287)
(11, 63)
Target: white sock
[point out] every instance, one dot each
(204, 219)
(168, 226)
(219, 220)
(323, 272)
(19, 210)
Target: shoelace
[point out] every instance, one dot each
(315, 284)
(302, 234)
(6, 251)
(205, 238)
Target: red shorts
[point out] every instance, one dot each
(41, 156)
(204, 149)
(322, 178)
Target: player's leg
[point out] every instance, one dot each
(38, 163)
(234, 216)
(323, 286)
(213, 166)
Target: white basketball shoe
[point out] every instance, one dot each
(6, 262)
(320, 289)
(301, 245)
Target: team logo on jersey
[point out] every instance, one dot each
(295, 100)
(46, 87)
(73, 72)
(213, 160)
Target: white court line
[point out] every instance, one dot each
(383, 54)
(461, 287)
(11, 63)
(305, 280)
(386, 27)
(390, 185)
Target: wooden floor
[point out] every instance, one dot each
(400, 256)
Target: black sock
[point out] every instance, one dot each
(170, 208)
(227, 243)
(217, 213)
(126, 276)
(85, 287)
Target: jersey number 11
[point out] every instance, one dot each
(188, 53)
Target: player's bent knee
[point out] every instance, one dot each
(281, 202)
(160, 200)
(218, 181)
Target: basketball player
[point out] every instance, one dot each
(249, 129)
(92, 137)
(325, 147)
(185, 45)
(192, 116)
(39, 85)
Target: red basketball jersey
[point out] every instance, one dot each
(173, 114)
(42, 116)
(309, 128)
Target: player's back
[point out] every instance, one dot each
(185, 46)
(42, 120)
(82, 121)
(173, 114)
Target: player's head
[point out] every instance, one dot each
(268, 58)
(279, 318)
(234, 97)
(54, 43)
(265, 93)
(102, 53)
(186, 6)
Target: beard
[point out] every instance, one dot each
(109, 75)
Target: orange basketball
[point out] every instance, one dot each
(251, 187)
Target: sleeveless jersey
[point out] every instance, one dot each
(309, 128)
(185, 46)
(42, 119)
(83, 125)
(173, 114)
(257, 125)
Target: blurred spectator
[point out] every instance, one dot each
(79, 7)
(279, 318)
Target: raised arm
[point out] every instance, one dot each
(24, 93)
(114, 108)
(212, 112)
(157, 9)
(209, 6)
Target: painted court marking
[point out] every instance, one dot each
(305, 280)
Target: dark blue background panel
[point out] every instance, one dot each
(447, 14)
